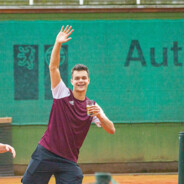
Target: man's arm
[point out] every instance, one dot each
(7, 148)
(107, 125)
(61, 38)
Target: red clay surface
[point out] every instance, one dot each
(121, 179)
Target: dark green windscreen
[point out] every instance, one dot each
(136, 68)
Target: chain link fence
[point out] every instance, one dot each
(87, 2)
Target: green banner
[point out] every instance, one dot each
(136, 68)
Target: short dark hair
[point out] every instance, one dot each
(79, 67)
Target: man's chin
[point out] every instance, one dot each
(81, 90)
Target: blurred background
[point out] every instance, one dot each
(134, 50)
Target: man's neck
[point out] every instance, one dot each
(79, 95)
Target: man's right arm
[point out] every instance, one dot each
(62, 37)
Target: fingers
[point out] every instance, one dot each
(68, 39)
(94, 110)
(62, 28)
(11, 150)
(68, 29)
(13, 153)
(7, 148)
(94, 107)
(70, 32)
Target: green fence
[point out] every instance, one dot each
(136, 68)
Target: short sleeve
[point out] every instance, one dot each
(60, 91)
(96, 121)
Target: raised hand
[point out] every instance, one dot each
(63, 35)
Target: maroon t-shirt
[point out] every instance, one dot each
(67, 128)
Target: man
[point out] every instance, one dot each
(7, 148)
(58, 149)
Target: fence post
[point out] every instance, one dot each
(181, 159)
(81, 2)
(31, 2)
(138, 1)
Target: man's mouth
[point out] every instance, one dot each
(81, 85)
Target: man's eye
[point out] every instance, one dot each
(84, 78)
(77, 78)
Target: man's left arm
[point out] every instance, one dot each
(105, 123)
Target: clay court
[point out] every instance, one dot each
(119, 178)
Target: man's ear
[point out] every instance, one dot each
(71, 80)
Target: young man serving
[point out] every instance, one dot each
(58, 149)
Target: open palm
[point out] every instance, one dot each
(63, 35)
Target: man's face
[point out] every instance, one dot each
(80, 80)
